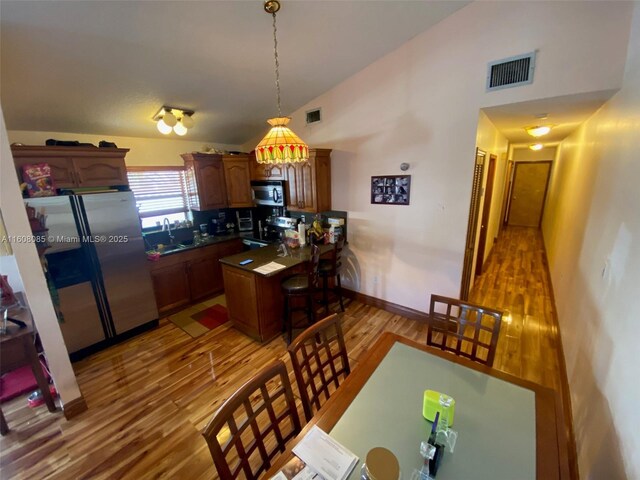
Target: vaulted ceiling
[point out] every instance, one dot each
(105, 67)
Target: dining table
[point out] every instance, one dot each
(508, 428)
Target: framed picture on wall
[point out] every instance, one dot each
(391, 189)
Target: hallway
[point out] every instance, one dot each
(515, 279)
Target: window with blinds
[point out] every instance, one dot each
(160, 192)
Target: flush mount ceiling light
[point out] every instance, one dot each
(280, 145)
(536, 146)
(538, 131)
(173, 119)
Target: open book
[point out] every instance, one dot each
(319, 457)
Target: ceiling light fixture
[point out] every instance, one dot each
(280, 145)
(536, 146)
(538, 131)
(173, 119)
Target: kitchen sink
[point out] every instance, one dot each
(173, 248)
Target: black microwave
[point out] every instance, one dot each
(268, 192)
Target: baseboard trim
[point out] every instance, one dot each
(565, 394)
(384, 305)
(74, 408)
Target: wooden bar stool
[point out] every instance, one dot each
(331, 269)
(301, 286)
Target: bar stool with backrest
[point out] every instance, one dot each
(464, 329)
(301, 286)
(253, 425)
(330, 268)
(320, 363)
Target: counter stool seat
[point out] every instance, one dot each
(301, 286)
(295, 284)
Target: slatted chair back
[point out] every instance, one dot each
(312, 267)
(253, 425)
(320, 362)
(464, 329)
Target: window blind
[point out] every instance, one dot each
(158, 191)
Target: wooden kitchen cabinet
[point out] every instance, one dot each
(309, 183)
(237, 176)
(206, 186)
(203, 278)
(74, 167)
(104, 171)
(266, 171)
(171, 287)
(186, 277)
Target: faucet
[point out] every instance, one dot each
(167, 223)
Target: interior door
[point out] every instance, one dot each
(528, 193)
(486, 213)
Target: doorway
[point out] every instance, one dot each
(528, 193)
(486, 213)
(474, 210)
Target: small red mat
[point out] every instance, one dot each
(212, 317)
(18, 382)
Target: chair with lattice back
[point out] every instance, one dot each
(320, 362)
(253, 425)
(465, 329)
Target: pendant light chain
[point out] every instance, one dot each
(275, 54)
(280, 145)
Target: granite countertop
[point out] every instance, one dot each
(264, 255)
(212, 240)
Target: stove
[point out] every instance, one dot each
(275, 227)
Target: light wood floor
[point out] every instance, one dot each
(150, 397)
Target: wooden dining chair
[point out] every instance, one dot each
(464, 329)
(320, 362)
(253, 425)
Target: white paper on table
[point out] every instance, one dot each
(269, 268)
(325, 455)
(305, 474)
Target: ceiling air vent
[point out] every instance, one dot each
(511, 72)
(314, 116)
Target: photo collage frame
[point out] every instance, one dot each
(391, 189)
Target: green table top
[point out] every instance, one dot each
(495, 419)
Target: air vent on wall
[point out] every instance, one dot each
(511, 72)
(314, 116)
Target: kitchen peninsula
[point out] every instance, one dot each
(254, 300)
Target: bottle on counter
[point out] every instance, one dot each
(196, 237)
(302, 233)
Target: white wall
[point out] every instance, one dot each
(420, 104)
(9, 267)
(144, 151)
(35, 286)
(592, 235)
(489, 139)
(525, 154)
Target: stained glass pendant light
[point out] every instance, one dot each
(280, 145)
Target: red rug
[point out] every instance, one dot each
(18, 382)
(212, 317)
